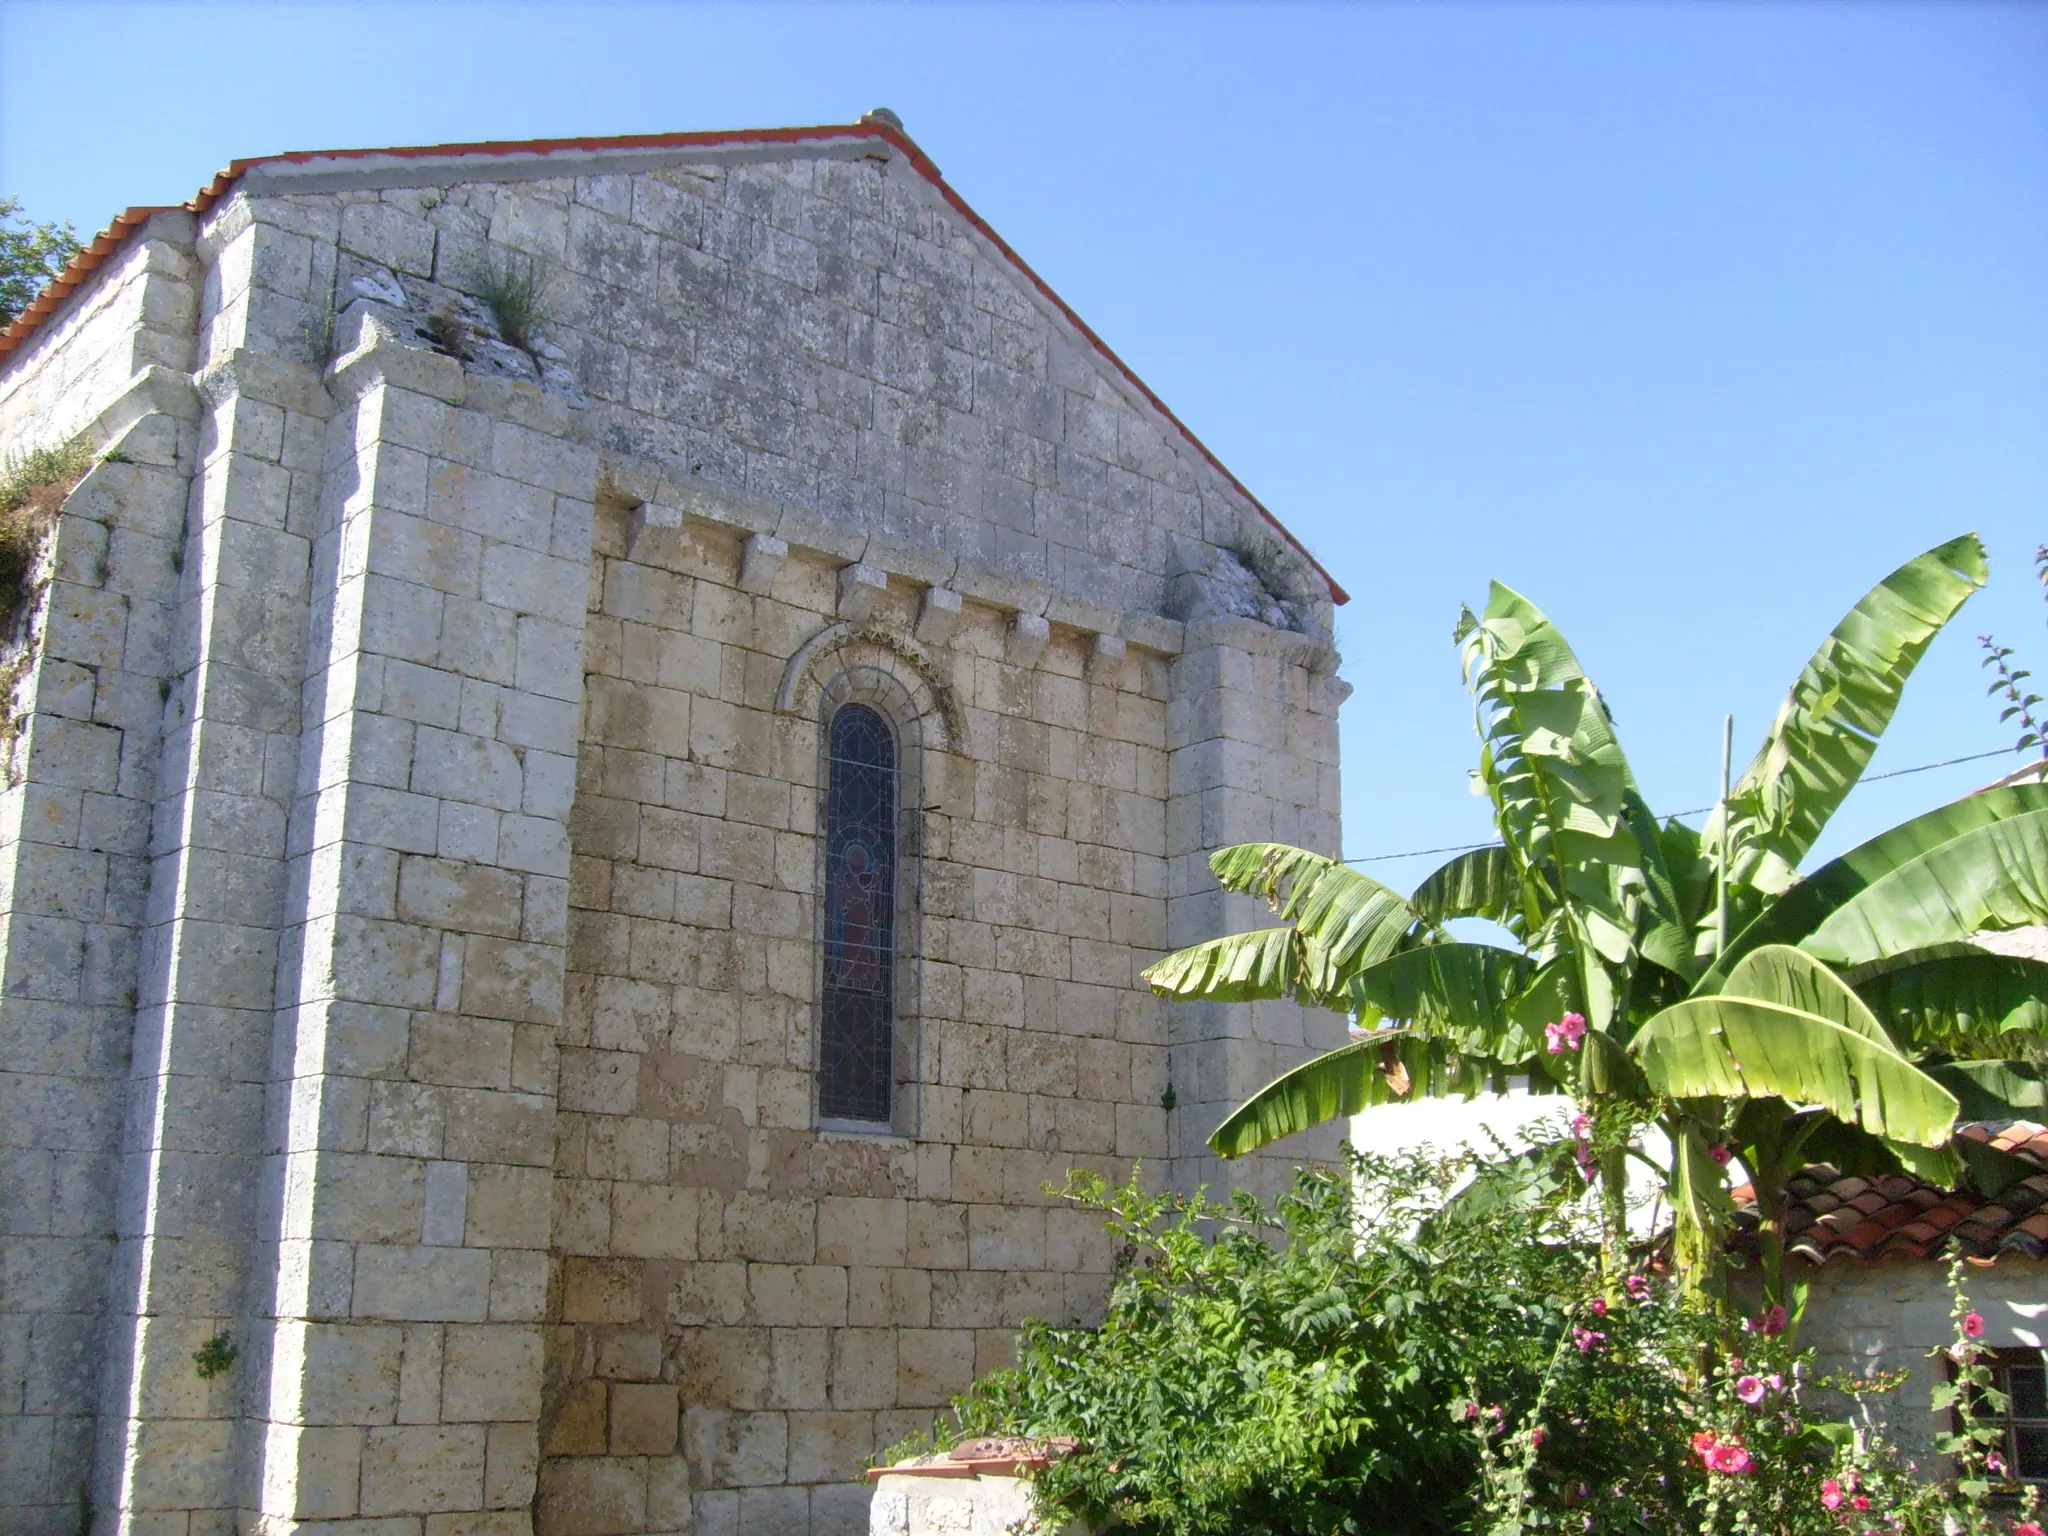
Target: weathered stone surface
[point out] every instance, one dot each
(415, 840)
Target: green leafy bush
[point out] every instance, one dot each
(1401, 1347)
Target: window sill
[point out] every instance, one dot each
(862, 1130)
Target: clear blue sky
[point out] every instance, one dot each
(1691, 321)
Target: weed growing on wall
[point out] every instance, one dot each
(509, 287)
(32, 489)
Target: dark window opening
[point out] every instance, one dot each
(2022, 1375)
(857, 1024)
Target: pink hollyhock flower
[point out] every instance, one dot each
(1588, 1169)
(1830, 1493)
(1587, 1340)
(1775, 1382)
(1995, 1464)
(1728, 1457)
(1471, 1410)
(2026, 1528)
(1973, 1325)
(1860, 1503)
(1720, 1455)
(1751, 1390)
(1773, 1320)
(1582, 1125)
(1719, 1154)
(1537, 1436)
(1637, 1286)
(1566, 1034)
(1599, 1306)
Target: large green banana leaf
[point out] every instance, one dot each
(1738, 1047)
(1778, 973)
(1483, 882)
(1959, 1001)
(1995, 1090)
(1856, 1151)
(1354, 919)
(1991, 877)
(1562, 791)
(1830, 722)
(1241, 968)
(1390, 1066)
(1341, 1082)
(1461, 991)
(1803, 908)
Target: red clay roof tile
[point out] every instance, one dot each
(1901, 1219)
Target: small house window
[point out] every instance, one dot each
(2022, 1376)
(857, 1021)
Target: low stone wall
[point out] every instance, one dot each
(914, 1502)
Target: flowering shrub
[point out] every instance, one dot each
(1385, 1354)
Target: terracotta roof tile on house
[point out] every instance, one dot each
(1897, 1218)
(116, 234)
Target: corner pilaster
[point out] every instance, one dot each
(422, 988)
(1252, 757)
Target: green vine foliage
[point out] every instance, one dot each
(1397, 1348)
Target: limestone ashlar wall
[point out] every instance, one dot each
(83, 721)
(824, 333)
(138, 312)
(772, 1303)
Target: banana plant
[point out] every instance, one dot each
(1850, 1011)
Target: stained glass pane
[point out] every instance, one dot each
(857, 1026)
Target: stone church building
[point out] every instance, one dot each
(592, 768)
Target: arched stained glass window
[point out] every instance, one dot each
(857, 1025)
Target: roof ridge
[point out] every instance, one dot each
(93, 255)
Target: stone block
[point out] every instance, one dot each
(829, 1445)
(491, 1373)
(422, 1469)
(864, 1367)
(763, 1227)
(600, 1291)
(1002, 1238)
(654, 1221)
(760, 560)
(591, 1496)
(937, 615)
(933, 1366)
(737, 1450)
(644, 1419)
(798, 1295)
(577, 1420)
(340, 1373)
(511, 1464)
(708, 1293)
(860, 587)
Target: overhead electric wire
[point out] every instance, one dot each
(1700, 810)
